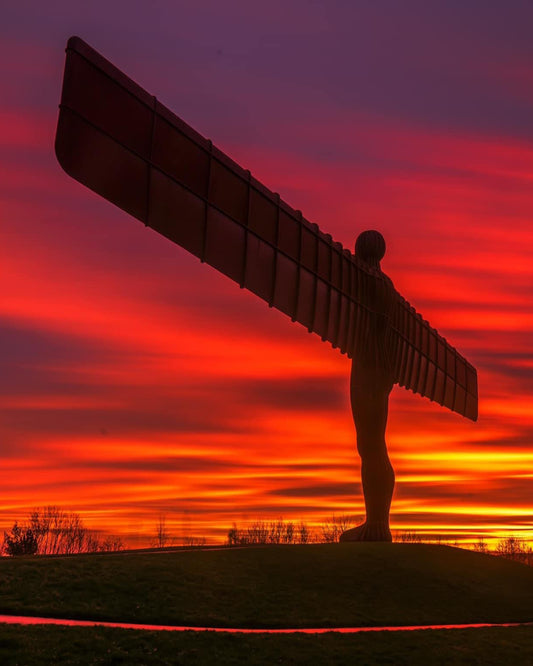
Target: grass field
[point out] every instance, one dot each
(322, 585)
(42, 646)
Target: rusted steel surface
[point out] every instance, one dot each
(122, 143)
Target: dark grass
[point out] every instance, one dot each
(322, 585)
(40, 646)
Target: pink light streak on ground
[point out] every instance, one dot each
(25, 620)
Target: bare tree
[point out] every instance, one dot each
(162, 535)
(256, 533)
(333, 527)
(233, 535)
(56, 531)
(288, 533)
(303, 533)
(276, 532)
(515, 548)
(480, 546)
(61, 532)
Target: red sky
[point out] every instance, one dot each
(136, 382)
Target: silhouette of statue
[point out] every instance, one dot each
(121, 142)
(371, 382)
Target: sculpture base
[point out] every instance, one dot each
(368, 532)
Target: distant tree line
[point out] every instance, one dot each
(51, 530)
(280, 531)
(511, 547)
(515, 548)
(261, 532)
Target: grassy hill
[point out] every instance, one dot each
(322, 585)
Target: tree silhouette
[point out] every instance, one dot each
(51, 530)
(20, 541)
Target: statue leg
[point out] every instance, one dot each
(369, 394)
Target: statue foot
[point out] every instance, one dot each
(368, 532)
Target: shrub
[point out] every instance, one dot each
(20, 541)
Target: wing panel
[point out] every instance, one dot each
(181, 158)
(320, 323)
(289, 235)
(427, 364)
(263, 219)
(228, 192)
(308, 257)
(461, 372)
(449, 392)
(260, 268)
(421, 383)
(306, 298)
(167, 201)
(225, 245)
(343, 323)
(286, 286)
(115, 110)
(324, 260)
(429, 386)
(97, 161)
(334, 314)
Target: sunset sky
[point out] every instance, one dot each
(136, 382)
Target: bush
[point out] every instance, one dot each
(514, 548)
(20, 541)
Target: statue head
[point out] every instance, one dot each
(370, 247)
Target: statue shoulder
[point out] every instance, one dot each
(386, 279)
